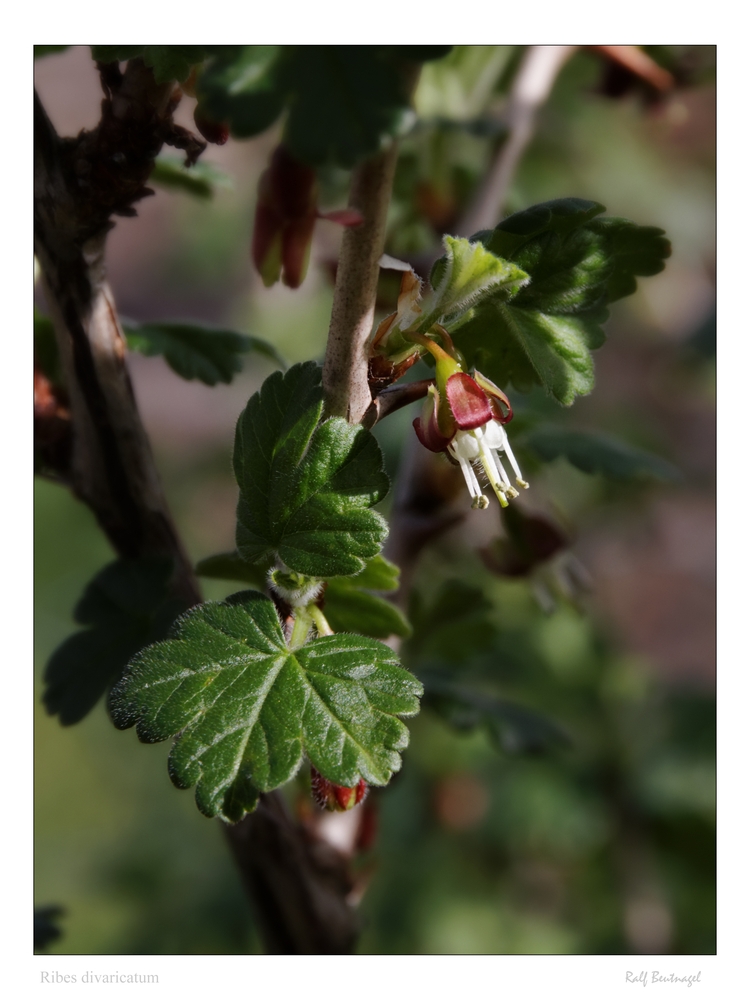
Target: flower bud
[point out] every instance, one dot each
(284, 220)
(336, 798)
(215, 132)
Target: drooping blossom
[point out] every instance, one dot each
(464, 416)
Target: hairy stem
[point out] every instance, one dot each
(345, 368)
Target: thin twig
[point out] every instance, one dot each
(393, 397)
(531, 88)
(639, 63)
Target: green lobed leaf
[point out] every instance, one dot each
(201, 179)
(593, 452)
(577, 263)
(464, 276)
(514, 728)
(364, 96)
(379, 574)
(350, 608)
(247, 708)
(307, 485)
(127, 606)
(231, 566)
(343, 102)
(197, 352)
(241, 85)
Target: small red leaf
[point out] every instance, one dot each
(343, 216)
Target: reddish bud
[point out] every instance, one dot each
(215, 132)
(530, 541)
(284, 220)
(336, 798)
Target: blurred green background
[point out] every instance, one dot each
(605, 845)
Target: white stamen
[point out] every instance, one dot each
(491, 468)
(471, 480)
(511, 458)
(485, 444)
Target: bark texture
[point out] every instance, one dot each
(345, 370)
(299, 886)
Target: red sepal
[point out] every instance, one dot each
(427, 427)
(468, 402)
(501, 408)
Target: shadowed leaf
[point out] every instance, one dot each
(127, 606)
(594, 453)
(201, 179)
(198, 352)
(513, 727)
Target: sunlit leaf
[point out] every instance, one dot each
(577, 264)
(247, 708)
(307, 485)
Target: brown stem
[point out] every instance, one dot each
(299, 887)
(345, 368)
(111, 464)
(639, 63)
(393, 397)
(299, 884)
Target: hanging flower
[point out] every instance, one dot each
(463, 416)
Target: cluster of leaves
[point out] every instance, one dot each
(365, 91)
(247, 701)
(246, 696)
(536, 322)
